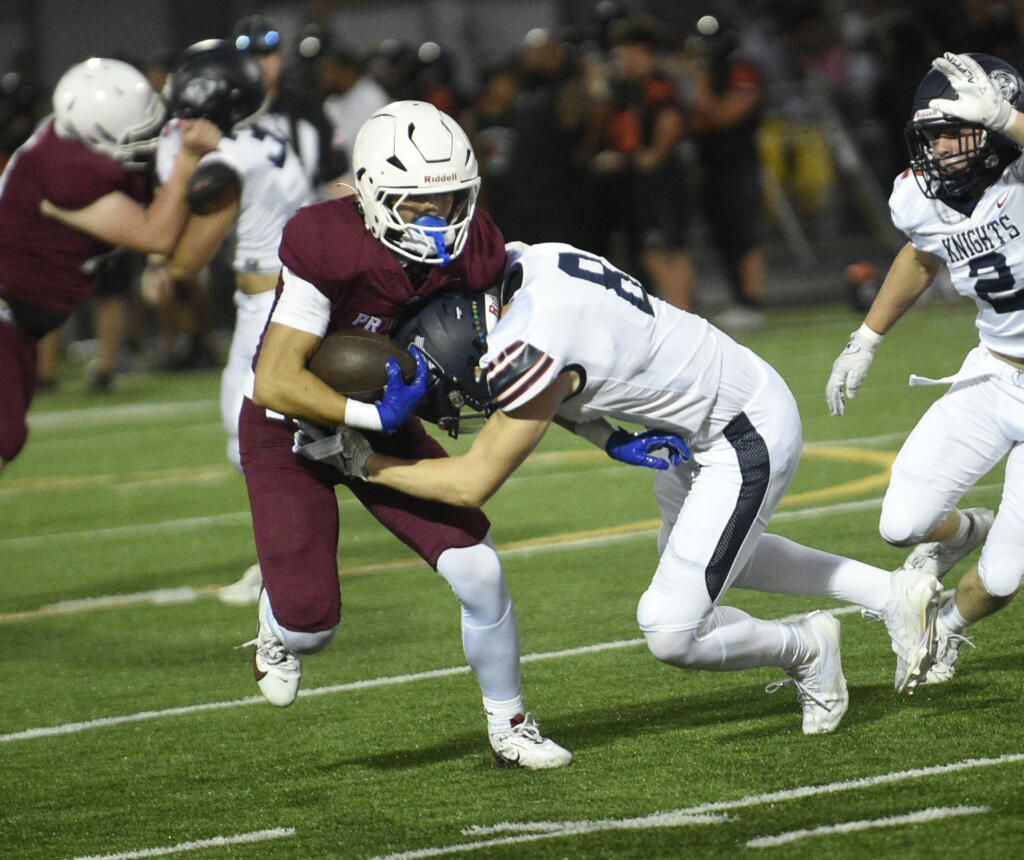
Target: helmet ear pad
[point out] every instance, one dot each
(983, 154)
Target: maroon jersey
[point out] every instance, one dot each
(43, 262)
(328, 245)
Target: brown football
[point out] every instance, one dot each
(352, 363)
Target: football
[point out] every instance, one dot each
(352, 363)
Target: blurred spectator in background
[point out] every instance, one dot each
(434, 79)
(393, 65)
(640, 177)
(351, 97)
(726, 105)
(299, 112)
(535, 132)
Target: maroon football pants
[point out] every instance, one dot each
(295, 516)
(18, 354)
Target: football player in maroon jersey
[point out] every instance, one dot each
(411, 230)
(84, 164)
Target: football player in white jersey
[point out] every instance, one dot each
(629, 356)
(961, 205)
(253, 183)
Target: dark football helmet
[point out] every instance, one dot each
(451, 331)
(982, 154)
(212, 79)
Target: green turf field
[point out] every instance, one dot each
(131, 727)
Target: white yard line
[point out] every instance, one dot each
(125, 412)
(213, 842)
(935, 813)
(551, 829)
(386, 681)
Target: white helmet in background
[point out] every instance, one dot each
(408, 149)
(109, 106)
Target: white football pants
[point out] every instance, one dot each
(251, 312)
(714, 513)
(961, 437)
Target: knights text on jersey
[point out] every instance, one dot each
(328, 245)
(42, 260)
(983, 249)
(274, 186)
(639, 358)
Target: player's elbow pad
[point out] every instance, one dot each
(213, 186)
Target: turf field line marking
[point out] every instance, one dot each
(213, 842)
(386, 681)
(122, 412)
(566, 828)
(934, 813)
(712, 807)
(118, 481)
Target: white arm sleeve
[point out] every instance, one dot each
(301, 305)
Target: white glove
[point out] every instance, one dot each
(346, 450)
(849, 370)
(978, 100)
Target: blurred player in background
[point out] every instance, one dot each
(88, 160)
(252, 184)
(299, 113)
(961, 204)
(354, 264)
(633, 357)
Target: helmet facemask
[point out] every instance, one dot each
(968, 167)
(430, 239)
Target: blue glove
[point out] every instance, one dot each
(636, 448)
(400, 400)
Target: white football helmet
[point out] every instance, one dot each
(109, 106)
(407, 149)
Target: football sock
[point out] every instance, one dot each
(501, 714)
(783, 566)
(950, 618)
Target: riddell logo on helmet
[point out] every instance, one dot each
(440, 177)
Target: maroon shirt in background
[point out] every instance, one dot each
(43, 261)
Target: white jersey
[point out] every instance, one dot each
(274, 186)
(640, 359)
(983, 248)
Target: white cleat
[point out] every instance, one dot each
(245, 591)
(938, 558)
(946, 653)
(910, 619)
(277, 670)
(522, 745)
(820, 684)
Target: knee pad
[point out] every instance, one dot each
(675, 648)
(664, 611)
(1001, 569)
(475, 575)
(899, 527)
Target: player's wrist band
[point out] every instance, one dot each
(866, 333)
(362, 416)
